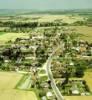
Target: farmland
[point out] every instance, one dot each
(85, 31)
(5, 37)
(78, 97)
(8, 81)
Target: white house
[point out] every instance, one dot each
(49, 96)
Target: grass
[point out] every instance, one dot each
(85, 31)
(64, 18)
(78, 97)
(8, 81)
(42, 71)
(43, 78)
(36, 92)
(1, 33)
(11, 36)
(24, 77)
(88, 79)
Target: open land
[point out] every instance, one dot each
(8, 81)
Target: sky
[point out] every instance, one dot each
(45, 4)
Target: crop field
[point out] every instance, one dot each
(78, 97)
(64, 18)
(5, 37)
(88, 78)
(8, 81)
(85, 31)
(51, 18)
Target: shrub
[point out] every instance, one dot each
(42, 93)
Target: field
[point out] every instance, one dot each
(78, 97)
(85, 31)
(88, 78)
(50, 18)
(8, 81)
(5, 37)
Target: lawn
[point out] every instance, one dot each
(11, 36)
(8, 81)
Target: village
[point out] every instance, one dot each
(28, 56)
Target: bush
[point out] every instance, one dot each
(87, 88)
(42, 93)
(84, 82)
(79, 73)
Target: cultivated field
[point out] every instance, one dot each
(88, 78)
(11, 36)
(50, 18)
(78, 97)
(85, 31)
(8, 81)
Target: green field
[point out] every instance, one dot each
(1, 33)
(85, 31)
(5, 37)
(8, 81)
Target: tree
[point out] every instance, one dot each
(80, 68)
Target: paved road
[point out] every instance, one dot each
(50, 75)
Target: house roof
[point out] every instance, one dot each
(49, 94)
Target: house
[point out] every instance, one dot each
(38, 37)
(30, 58)
(75, 90)
(44, 98)
(71, 64)
(49, 95)
(44, 85)
(6, 61)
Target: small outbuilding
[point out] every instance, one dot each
(49, 96)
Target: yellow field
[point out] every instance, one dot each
(88, 78)
(11, 36)
(64, 18)
(78, 97)
(86, 31)
(50, 18)
(8, 81)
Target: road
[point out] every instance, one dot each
(50, 76)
